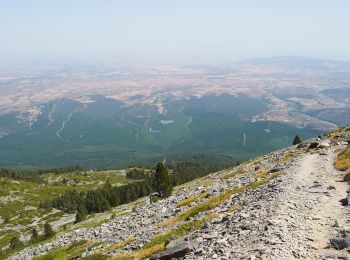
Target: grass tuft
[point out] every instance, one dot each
(232, 174)
(233, 208)
(342, 162)
(188, 201)
(158, 242)
(261, 174)
(288, 157)
(119, 245)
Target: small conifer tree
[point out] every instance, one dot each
(162, 181)
(296, 140)
(35, 235)
(81, 213)
(48, 232)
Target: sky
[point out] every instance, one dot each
(223, 29)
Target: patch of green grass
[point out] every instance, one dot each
(53, 216)
(95, 257)
(61, 253)
(96, 244)
(6, 236)
(24, 197)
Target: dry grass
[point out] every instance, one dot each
(287, 157)
(119, 245)
(158, 241)
(342, 162)
(213, 202)
(232, 174)
(204, 206)
(146, 252)
(233, 208)
(189, 200)
(205, 182)
(261, 174)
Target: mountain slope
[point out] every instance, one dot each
(283, 205)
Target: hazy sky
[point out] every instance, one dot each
(232, 29)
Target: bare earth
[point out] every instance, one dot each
(310, 209)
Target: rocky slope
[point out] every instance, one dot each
(290, 204)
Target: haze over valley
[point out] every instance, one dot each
(105, 115)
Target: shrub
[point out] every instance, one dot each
(342, 162)
(15, 242)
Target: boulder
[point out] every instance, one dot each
(343, 143)
(177, 251)
(325, 143)
(313, 145)
(340, 243)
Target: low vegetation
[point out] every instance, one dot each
(261, 174)
(116, 246)
(297, 140)
(35, 175)
(342, 162)
(73, 251)
(189, 200)
(232, 174)
(159, 241)
(288, 157)
(213, 202)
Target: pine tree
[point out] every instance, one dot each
(48, 232)
(81, 213)
(35, 235)
(162, 182)
(296, 140)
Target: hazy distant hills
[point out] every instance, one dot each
(115, 115)
(104, 133)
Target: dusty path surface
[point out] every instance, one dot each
(310, 207)
(292, 217)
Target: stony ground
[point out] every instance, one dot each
(293, 219)
(292, 211)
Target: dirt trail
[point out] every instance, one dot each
(310, 206)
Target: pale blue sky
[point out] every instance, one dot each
(231, 29)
